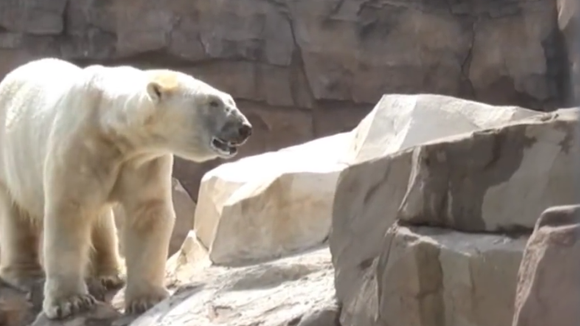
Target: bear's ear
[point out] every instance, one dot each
(156, 91)
(161, 85)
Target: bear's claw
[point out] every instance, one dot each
(143, 303)
(66, 307)
(112, 282)
(100, 285)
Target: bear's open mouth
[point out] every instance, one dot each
(223, 147)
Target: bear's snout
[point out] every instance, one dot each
(237, 130)
(245, 131)
(241, 131)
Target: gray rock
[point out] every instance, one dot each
(371, 190)
(498, 179)
(548, 292)
(328, 316)
(436, 277)
(281, 292)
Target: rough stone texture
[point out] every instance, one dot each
(283, 292)
(184, 214)
(423, 272)
(326, 316)
(436, 277)
(14, 309)
(399, 121)
(370, 191)
(548, 292)
(569, 24)
(496, 179)
(101, 315)
(303, 68)
(271, 204)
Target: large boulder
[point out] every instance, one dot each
(548, 291)
(435, 277)
(498, 179)
(399, 121)
(271, 204)
(370, 191)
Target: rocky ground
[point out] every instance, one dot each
(433, 211)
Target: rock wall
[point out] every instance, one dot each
(430, 219)
(303, 69)
(569, 24)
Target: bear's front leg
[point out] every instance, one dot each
(67, 234)
(144, 190)
(146, 241)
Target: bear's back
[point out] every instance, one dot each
(30, 96)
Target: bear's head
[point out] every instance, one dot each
(197, 121)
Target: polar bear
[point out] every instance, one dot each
(76, 141)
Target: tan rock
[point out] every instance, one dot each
(436, 277)
(282, 292)
(399, 121)
(372, 188)
(548, 292)
(497, 179)
(190, 257)
(271, 204)
(101, 315)
(184, 215)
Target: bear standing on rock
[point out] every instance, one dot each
(74, 142)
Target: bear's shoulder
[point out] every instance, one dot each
(46, 70)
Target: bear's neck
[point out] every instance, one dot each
(131, 128)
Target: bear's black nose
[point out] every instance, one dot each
(245, 130)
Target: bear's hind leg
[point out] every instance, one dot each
(19, 235)
(105, 267)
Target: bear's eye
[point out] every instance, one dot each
(214, 104)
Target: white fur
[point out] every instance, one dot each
(75, 141)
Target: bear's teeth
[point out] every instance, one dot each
(223, 147)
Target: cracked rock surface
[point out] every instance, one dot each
(430, 220)
(547, 289)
